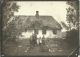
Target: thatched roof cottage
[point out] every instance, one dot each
(40, 25)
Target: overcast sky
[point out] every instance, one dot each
(57, 9)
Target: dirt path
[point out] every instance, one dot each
(52, 47)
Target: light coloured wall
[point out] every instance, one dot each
(49, 34)
(25, 35)
(28, 34)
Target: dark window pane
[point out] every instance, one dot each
(43, 31)
(54, 31)
(36, 31)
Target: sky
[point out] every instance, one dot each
(56, 9)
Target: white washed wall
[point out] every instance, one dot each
(28, 34)
(49, 34)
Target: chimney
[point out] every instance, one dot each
(37, 14)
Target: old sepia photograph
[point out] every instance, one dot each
(40, 28)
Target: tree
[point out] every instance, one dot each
(72, 18)
(72, 14)
(8, 13)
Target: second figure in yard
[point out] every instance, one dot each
(40, 41)
(34, 40)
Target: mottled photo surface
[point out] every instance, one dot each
(40, 28)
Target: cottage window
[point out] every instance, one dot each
(36, 31)
(43, 31)
(54, 31)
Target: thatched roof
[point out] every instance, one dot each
(32, 22)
